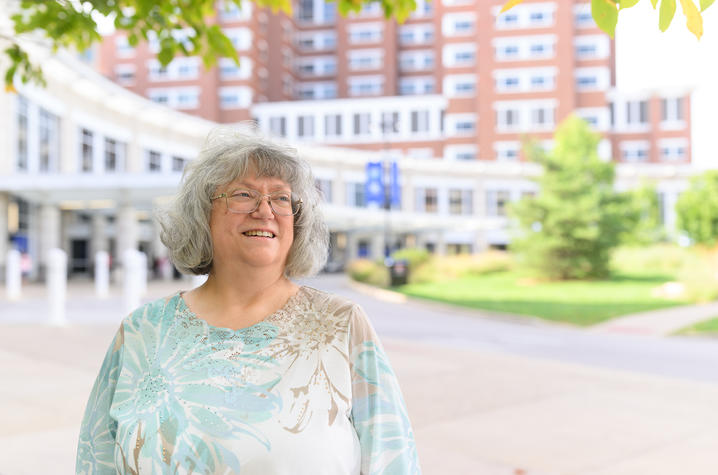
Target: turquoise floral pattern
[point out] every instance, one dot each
(176, 395)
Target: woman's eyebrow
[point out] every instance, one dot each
(273, 187)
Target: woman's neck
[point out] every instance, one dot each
(242, 289)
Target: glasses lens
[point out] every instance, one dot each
(282, 203)
(243, 201)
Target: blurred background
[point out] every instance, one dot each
(526, 206)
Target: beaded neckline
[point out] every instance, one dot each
(280, 314)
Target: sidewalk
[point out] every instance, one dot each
(473, 411)
(659, 322)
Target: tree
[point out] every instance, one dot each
(643, 213)
(73, 24)
(569, 228)
(697, 209)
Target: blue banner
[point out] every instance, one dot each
(395, 190)
(374, 186)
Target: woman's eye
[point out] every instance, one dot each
(283, 198)
(241, 194)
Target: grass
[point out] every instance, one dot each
(706, 327)
(580, 303)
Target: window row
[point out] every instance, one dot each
(521, 116)
(669, 150)
(524, 48)
(533, 15)
(358, 124)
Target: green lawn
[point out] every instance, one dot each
(578, 302)
(705, 327)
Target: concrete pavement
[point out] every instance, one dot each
(474, 411)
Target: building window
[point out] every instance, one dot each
(365, 86)
(365, 33)
(542, 117)
(305, 10)
(154, 161)
(634, 151)
(419, 121)
(672, 109)
(506, 151)
(507, 20)
(86, 150)
(22, 129)
(114, 154)
(278, 126)
(324, 187)
(507, 118)
(361, 123)
(390, 122)
(460, 202)
(333, 125)
(636, 112)
(673, 150)
(356, 195)
(49, 130)
(497, 202)
(178, 164)
(123, 49)
(507, 83)
(305, 126)
(428, 200)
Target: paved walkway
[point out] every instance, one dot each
(659, 322)
(474, 411)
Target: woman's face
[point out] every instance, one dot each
(228, 229)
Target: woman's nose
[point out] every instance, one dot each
(264, 208)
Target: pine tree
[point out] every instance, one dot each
(568, 230)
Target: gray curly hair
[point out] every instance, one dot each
(226, 156)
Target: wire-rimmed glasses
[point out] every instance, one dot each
(244, 200)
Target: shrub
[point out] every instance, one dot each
(368, 271)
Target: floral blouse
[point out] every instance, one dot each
(308, 390)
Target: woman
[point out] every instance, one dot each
(248, 373)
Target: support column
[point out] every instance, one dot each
(377, 245)
(49, 236)
(4, 232)
(127, 233)
(98, 239)
(352, 246)
(161, 255)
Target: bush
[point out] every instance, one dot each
(438, 268)
(369, 272)
(415, 256)
(660, 259)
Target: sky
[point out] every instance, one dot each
(649, 58)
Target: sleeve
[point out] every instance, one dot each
(378, 411)
(96, 447)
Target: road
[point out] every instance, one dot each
(675, 357)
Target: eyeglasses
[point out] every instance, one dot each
(243, 200)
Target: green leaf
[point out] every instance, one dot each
(627, 3)
(706, 3)
(605, 14)
(666, 13)
(654, 3)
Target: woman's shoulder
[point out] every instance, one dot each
(153, 312)
(330, 303)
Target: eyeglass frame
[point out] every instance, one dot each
(297, 204)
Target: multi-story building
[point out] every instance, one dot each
(448, 95)
(456, 81)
